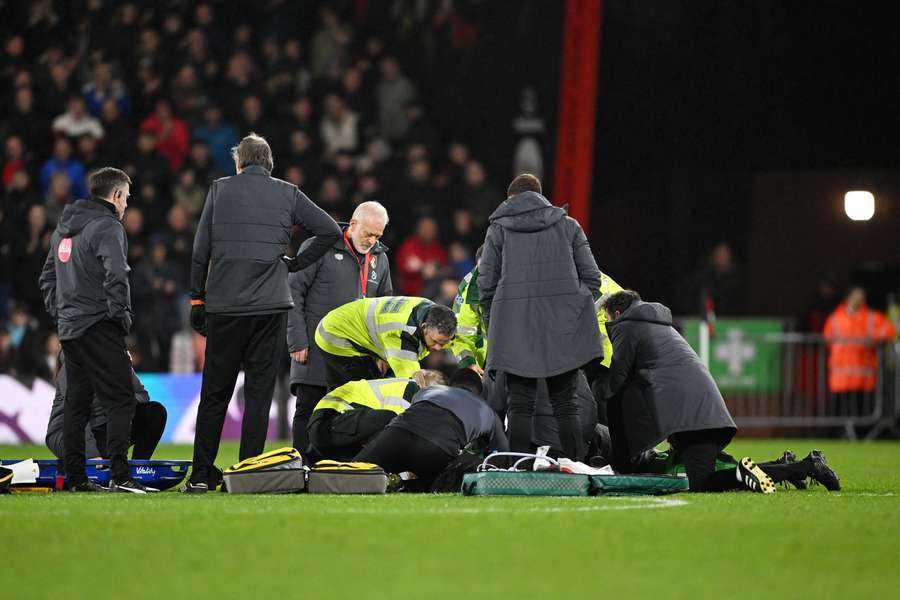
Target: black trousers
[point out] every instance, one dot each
(341, 369)
(397, 450)
(698, 451)
(340, 436)
(98, 363)
(598, 379)
(256, 343)
(696, 448)
(307, 398)
(522, 393)
(146, 430)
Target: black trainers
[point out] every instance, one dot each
(194, 488)
(216, 478)
(786, 459)
(87, 486)
(131, 486)
(753, 477)
(822, 473)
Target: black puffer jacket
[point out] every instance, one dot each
(537, 283)
(332, 281)
(85, 276)
(674, 390)
(244, 229)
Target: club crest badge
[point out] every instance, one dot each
(338, 256)
(64, 252)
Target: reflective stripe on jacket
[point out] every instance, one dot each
(608, 287)
(387, 328)
(469, 346)
(378, 394)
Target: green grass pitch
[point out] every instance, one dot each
(793, 544)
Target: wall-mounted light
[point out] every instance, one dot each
(859, 205)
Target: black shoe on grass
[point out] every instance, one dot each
(822, 473)
(87, 486)
(131, 486)
(753, 477)
(194, 488)
(789, 458)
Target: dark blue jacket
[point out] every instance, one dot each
(480, 423)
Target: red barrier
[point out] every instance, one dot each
(577, 106)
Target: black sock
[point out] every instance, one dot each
(781, 472)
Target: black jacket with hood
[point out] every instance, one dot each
(537, 283)
(330, 282)
(85, 276)
(244, 229)
(672, 390)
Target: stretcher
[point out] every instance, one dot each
(491, 480)
(159, 474)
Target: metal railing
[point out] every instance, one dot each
(790, 387)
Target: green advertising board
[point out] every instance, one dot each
(742, 355)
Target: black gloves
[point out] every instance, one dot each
(198, 317)
(291, 262)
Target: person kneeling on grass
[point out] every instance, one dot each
(147, 425)
(785, 469)
(349, 416)
(434, 430)
(661, 390)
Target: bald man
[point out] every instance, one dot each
(355, 267)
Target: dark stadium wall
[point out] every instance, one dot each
(800, 229)
(696, 98)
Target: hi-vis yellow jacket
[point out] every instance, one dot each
(470, 344)
(391, 394)
(386, 328)
(608, 287)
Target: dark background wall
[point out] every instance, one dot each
(799, 229)
(698, 101)
(697, 98)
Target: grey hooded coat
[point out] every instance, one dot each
(674, 391)
(537, 284)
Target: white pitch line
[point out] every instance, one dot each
(608, 504)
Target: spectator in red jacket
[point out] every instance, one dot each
(420, 257)
(172, 134)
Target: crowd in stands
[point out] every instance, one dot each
(163, 90)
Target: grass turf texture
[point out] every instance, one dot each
(792, 544)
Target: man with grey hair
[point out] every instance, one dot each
(355, 267)
(240, 295)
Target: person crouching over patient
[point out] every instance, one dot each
(662, 391)
(434, 431)
(352, 414)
